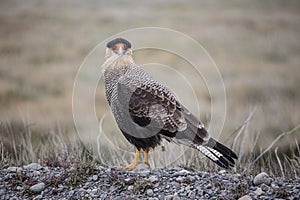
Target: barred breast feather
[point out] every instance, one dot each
(146, 112)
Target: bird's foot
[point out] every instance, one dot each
(131, 166)
(136, 162)
(134, 165)
(127, 167)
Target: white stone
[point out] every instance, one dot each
(95, 177)
(258, 191)
(20, 188)
(130, 187)
(179, 179)
(36, 173)
(33, 166)
(274, 186)
(261, 178)
(37, 188)
(153, 179)
(246, 197)
(94, 190)
(184, 172)
(127, 180)
(14, 169)
(150, 192)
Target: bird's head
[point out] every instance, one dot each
(118, 48)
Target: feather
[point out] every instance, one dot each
(146, 111)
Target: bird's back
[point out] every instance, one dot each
(146, 111)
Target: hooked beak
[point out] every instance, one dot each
(120, 51)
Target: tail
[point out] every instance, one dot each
(215, 151)
(218, 153)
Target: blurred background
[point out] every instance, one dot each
(255, 44)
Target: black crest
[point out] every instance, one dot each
(118, 40)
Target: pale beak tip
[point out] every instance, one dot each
(120, 51)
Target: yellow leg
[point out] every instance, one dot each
(146, 152)
(135, 160)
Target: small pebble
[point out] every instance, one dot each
(130, 187)
(153, 179)
(150, 192)
(258, 192)
(95, 177)
(38, 197)
(246, 197)
(162, 183)
(179, 179)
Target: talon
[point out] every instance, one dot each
(135, 160)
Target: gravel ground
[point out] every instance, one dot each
(34, 181)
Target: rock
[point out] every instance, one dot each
(179, 179)
(192, 178)
(208, 186)
(174, 184)
(33, 166)
(192, 194)
(258, 192)
(2, 192)
(150, 192)
(246, 197)
(265, 187)
(187, 188)
(119, 185)
(108, 170)
(130, 187)
(274, 186)
(223, 171)
(94, 191)
(142, 168)
(38, 197)
(181, 190)
(14, 169)
(112, 188)
(153, 178)
(181, 173)
(71, 193)
(37, 188)
(95, 177)
(183, 194)
(200, 192)
(172, 197)
(168, 197)
(20, 188)
(36, 173)
(261, 178)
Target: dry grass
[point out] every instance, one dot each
(59, 151)
(255, 45)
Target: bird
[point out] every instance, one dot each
(147, 112)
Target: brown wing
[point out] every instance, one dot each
(151, 104)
